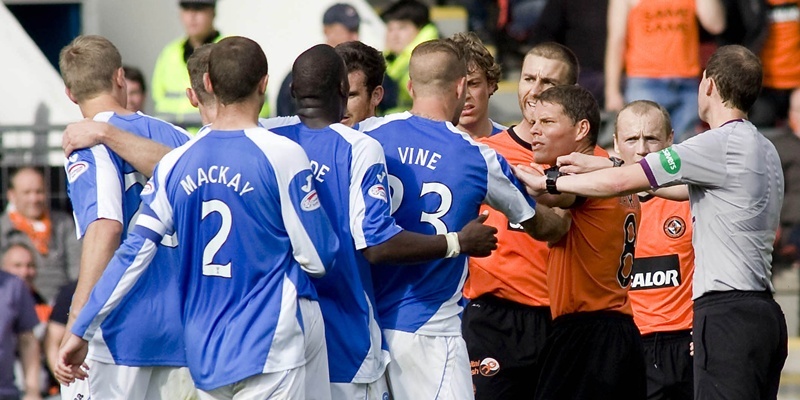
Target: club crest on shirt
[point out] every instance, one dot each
(674, 227)
(378, 192)
(489, 367)
(148, 188)
(77, 169)
(310, 202)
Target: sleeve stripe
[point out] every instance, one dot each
(649, 173)
(153, 224)
(109, 187)
(126, 282)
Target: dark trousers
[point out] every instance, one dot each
(740, 346)
(504, 340)
(669, 365)
(592, 355)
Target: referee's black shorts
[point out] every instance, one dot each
(592, 355)
(669, 365)
(504, 340)
(740, 345)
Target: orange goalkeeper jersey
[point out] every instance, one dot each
(661, 287)
(516, 271)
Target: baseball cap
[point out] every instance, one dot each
(197, 3)
(344, 14)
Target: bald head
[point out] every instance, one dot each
(435, 67)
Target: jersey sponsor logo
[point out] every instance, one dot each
(378, 192)
(670, 160)
(77, 169)
(310, 202)
(674, 227)
(489, 367)
(73, 157)
(784, 13)
(148, 188)
(656, 272)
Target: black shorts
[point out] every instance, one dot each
(592, 355)
(740, 345)
(669, 365)
(504, 340)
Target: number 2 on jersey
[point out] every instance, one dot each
(213, 246)
(434, 218)
(626, 258)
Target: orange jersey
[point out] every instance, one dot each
(589, 269)
(781, 52)
(517, 270)
(662, 40)
(661, 287)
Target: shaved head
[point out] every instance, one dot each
(436, 66)
(318, 72)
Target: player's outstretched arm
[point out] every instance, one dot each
(140, 152)
(71, 357)
(609, 182)
(475, 239)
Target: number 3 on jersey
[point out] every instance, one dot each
(626, 258)
(213, 246)
(434, 218)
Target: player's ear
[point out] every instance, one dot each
(410, 88)
(262, 85)
(207, 83)
(119, 77)
(670, 137)
(461, 87)
(192, 96)
(376, 97)
(583, 127)
(70, 96)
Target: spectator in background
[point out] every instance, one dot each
(16, 335)
(408, 24)
(340, 24)
(579, 25)
(366, 70)
(29, 220)
(780, 57)
(656, 43)
(19, 260)
(788, 145)
(137, 90)
(482, 78)
(170, 79)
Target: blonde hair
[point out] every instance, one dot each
(88, 65)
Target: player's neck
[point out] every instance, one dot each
(317, 116)
(432, 108)
(720, 114)
(236, 116)
(102, 103)
(523, 131)
(480, 129)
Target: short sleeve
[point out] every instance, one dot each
(504, 192)
(697, 161)
(371, 222)
(95, 186)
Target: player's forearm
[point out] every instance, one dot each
(548, 225)
(407, 248)
(29, 354)
(674, 193)
(611, 182)
(52, 341)
(99, 243)
(142, 153)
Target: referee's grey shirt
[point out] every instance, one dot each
(735, 191)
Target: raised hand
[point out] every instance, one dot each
(533, 179)
(477, 239)
(82, 135)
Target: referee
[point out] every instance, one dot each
(735, 188)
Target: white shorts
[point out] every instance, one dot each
(110, 381)
(317, 373)
(287, 385)
(378, 390)
(428, 367)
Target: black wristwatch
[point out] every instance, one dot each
(551, 174)
(617, 161)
